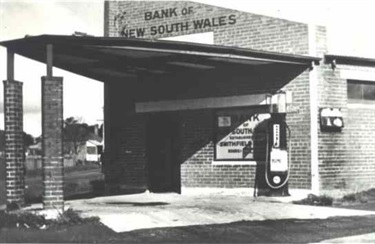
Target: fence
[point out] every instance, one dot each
(35, 162)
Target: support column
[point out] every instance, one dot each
(314, 120)
(52, 142)
(106, 159)
(14, 150)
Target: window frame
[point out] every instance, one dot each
(360, 84)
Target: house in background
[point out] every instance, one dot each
(93, 151)
(88, 151)
(34, 150)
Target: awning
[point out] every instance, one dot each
(111, 58)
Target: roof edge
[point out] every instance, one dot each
(90, 40)
(348, 60)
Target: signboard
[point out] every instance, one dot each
(168, 21)
(234, 134)
(224, 121)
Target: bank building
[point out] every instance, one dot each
(184, 114)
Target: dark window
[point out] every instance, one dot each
(100, 149)
(91, 150)
(361, 90)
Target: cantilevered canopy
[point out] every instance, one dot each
(112, 58)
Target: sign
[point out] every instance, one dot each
(234, 135)
(331, 119)
(276, 135)
(224, 121)
(120, 22)
(292, 109)
(278, 160)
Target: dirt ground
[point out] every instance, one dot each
(268, 231)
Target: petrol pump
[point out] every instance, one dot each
(277, 158)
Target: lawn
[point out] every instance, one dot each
(84, 180)
(80, 181)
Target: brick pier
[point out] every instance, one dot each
(52, 143)
(14, 150)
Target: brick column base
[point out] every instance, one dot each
(14, 150)
(52, 142)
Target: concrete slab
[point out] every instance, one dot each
(148, 210)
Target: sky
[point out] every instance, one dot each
(349, 28)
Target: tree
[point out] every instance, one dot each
(28, 140)
(75, 134)
(101, 130)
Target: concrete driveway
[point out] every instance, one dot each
(197, 207)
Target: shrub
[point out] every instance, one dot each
(360, 197)
(72, 217)
(31, 220)
(350, 198)
(22, 220)
(316, 200)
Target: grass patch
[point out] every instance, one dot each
(360, 197)
(67, 170)
(349, 199)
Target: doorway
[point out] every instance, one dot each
(162, 153)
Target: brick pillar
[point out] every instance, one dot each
(14, 150)
(52, 142)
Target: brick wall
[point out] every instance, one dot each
(125, 146)
(14, 150)
(346, 158)
(127, 169)
(197, 149)
(299, 122)
(52, 143)
(248, 31)
(265, 33)
(359, 172)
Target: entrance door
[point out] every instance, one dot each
(162, 153)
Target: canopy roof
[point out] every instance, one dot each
(113, 58)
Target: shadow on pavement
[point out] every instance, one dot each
(139, 204)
